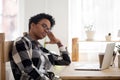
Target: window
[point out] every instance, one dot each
(8, 18)
(104, 15)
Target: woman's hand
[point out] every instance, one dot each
(53, 39)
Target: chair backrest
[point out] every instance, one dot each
(8, 47)
(5, 48)
(75, 49)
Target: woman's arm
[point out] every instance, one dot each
(64, 58)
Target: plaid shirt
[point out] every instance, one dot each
(31, 61)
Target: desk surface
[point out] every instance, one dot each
(68, 73)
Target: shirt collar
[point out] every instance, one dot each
(33, 41)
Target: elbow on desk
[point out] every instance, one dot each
(67, 62)
(66, 59)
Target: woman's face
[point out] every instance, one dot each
(39, 30)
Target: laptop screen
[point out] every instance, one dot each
(108, 55)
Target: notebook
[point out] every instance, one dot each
(106, 60)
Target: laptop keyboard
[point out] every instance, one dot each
(88, 67)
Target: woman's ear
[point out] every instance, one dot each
(32, 25)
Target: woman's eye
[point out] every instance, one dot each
(43, 25)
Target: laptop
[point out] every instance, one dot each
(106, 60)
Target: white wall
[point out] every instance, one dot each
(21, 15)
(57, 8)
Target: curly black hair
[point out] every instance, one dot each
(36, 18)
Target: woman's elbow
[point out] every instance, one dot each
(67, 62)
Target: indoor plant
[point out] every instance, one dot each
(118, 50)
(90, 32)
